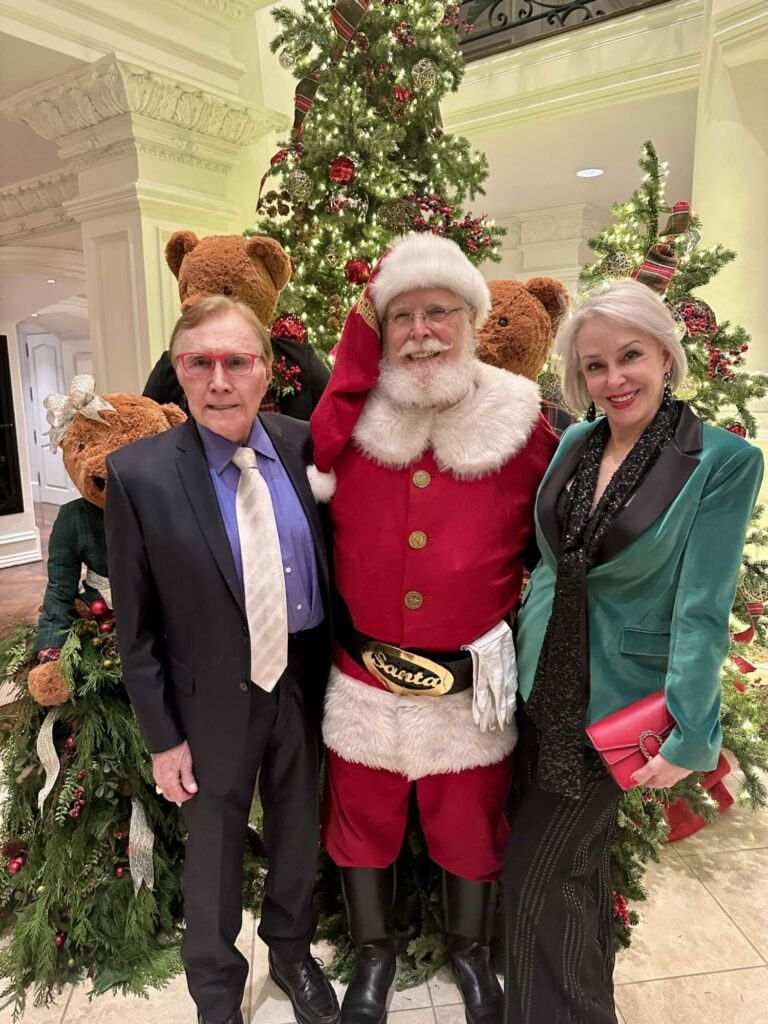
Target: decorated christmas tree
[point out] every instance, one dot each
(367, 157)
(660, 246)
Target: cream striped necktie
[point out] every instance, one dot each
(263, 580)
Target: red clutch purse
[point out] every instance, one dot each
(629, 737)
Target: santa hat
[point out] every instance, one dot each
(414, 261)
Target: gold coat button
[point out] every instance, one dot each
(422, 478)
(417, 540)
(413, 600)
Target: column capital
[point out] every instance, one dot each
(110, 87)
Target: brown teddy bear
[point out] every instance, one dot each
(87, 427)
(517, 336)
(253, 270)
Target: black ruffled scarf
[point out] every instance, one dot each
(558, 701)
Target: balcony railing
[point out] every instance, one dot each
(504, 24)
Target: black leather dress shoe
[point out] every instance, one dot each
(235, 1018)
(310, 992)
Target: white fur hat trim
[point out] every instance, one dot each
(429, 261)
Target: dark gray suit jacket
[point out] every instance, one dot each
(181, 622)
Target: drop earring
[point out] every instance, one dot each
(591, 413)
(666, 399)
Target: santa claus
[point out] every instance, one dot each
(431, 461)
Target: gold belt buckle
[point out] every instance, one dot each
(404, 673)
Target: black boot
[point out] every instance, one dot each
(369, 894)
(469, 911)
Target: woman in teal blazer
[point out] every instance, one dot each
(640, 521)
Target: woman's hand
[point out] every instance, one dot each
(659, 773)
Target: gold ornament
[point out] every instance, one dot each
(617, 264)
(397, 214)
(335, 254)
(299, 184)
(424, 75)
(688, 390)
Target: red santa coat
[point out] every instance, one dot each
(432, 514)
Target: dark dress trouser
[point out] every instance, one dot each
(283, 750)
(557, 897)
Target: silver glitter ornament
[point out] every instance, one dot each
(299, 184)
(287, 58)
(424, 75)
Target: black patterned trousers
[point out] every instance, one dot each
(557, 897)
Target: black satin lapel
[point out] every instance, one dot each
(296, 469)
(546, 505)
(666, 478)
(196, 480)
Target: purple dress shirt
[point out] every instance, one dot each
(302, 588)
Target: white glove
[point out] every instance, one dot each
(494, 667)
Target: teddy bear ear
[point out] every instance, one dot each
(553, 295)
(275, 258)
(177, 247)
(173, 414)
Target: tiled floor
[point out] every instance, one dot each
(699, 956)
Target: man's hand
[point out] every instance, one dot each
(659, 773)
(172, 770)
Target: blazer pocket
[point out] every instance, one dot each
(647, 644)
(181, 676)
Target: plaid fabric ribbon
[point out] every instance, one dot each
(660, 263)
(346, 16)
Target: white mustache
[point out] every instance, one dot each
(429, 346)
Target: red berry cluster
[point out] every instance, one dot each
(78, 803)
(15, 864)
(402, 34)
(285, 377)
(401, 94)
(454, 19)
(472, 229)
(720, 363)
(620, 909)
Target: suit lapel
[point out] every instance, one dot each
(666, 478)
(296, 468)
(196, 480)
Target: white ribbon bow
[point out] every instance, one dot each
(495, 678)
(62, 409)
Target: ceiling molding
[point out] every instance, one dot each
(110, 87)
(36, 195)
(222, 11)
(742, 33)
(75, 305)
(33, 259)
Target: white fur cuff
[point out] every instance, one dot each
(323, 484)
(413, 736)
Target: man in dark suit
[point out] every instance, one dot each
(182, 564)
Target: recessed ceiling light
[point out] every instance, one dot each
(51, 280)
(34, 314)
(590, 172)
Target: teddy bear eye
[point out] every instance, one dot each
(503, 321)
(81, 446)
(226, 290)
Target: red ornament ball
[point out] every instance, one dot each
(60, 939)
(290, 326)
(357, 271)
(105, 627)
(736, 428)
(119, 871)
(100, 608)
(69, 743)
(15, 865)
(341, 170)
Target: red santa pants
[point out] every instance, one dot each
(462, 816)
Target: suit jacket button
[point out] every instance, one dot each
(417, 540)
(413, 600)
(245, 687)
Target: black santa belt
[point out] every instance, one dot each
(412, 672)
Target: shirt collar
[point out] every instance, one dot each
(219, 451)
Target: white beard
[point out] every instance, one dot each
(427, 384)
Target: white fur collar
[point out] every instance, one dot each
(471, 439)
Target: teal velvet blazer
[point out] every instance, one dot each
(660, 594)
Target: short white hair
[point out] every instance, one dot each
(631, 304)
